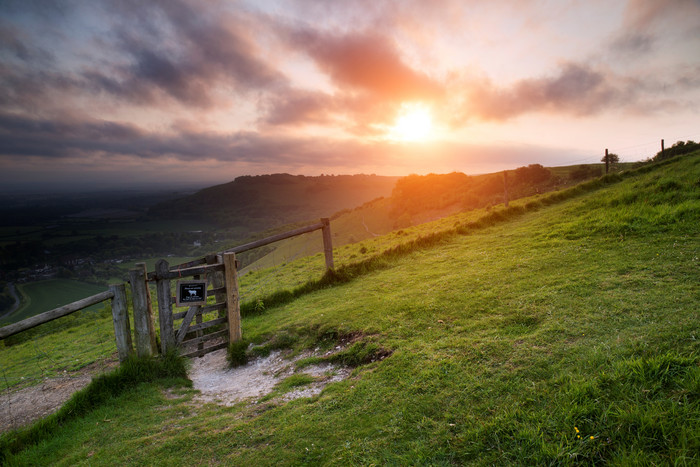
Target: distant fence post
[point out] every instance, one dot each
(165, 308)
(144, 334)
(662, 149)
(327, 242)
(232, 298)
(607, 160)
(505, 188)
(120, 317)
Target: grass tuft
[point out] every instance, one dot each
(236, 353)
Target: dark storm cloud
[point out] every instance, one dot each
(25, 136)
(182, 50)
(149, 53)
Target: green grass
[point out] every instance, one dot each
(56, 348)
(561, 331)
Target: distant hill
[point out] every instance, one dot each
(255, 203)
(417, 199)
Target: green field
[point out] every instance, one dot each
(560, 331)
(41, 296)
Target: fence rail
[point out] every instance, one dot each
(324, 225)
(116, 293)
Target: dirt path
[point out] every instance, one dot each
(210, 375)
(24, 406)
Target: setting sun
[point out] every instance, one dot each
(414, 123)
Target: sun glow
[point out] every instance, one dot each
(414, 123)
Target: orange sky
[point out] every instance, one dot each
(124, 93)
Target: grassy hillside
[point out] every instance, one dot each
(419, 199)
(563, 330)
(256, 203)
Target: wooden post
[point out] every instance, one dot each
(165, 307)
(120, 317)
(143, 325)
(662, 149)
(197, 317)
(327, 242)
(217, 279)
(217, 282)
(232, 298)
(606, 160)
(151, 322)
(505, 188)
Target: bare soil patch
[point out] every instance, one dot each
(23, 406)
(220, 384)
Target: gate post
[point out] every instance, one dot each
(120, 318)
(165, 307)
(233, 306)
(144, 334)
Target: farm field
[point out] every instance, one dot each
(562, 330)
(41, 296)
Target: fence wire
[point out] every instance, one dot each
(290, 264)
(42, 367)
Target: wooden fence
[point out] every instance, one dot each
(120, 317)
(221, 276)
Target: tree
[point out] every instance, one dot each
(612, 158)
(533, 174)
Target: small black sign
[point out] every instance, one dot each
(191, 293)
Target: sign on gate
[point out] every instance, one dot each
(191, 293)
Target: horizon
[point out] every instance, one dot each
(105, 95)
(184, 186)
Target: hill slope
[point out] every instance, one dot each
(546, 334)
(257, 203)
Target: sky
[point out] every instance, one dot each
(109, 94)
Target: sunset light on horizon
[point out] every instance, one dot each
(111, 94)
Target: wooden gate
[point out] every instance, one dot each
(215, 322)
(199, 328)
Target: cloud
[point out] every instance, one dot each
(575, 89)
(55, 140)
(633, 43)
(298, 107)
(645, 14)
(51, 139)
(146, 54)
(647, 22)
(366, 62)
(181, 51)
